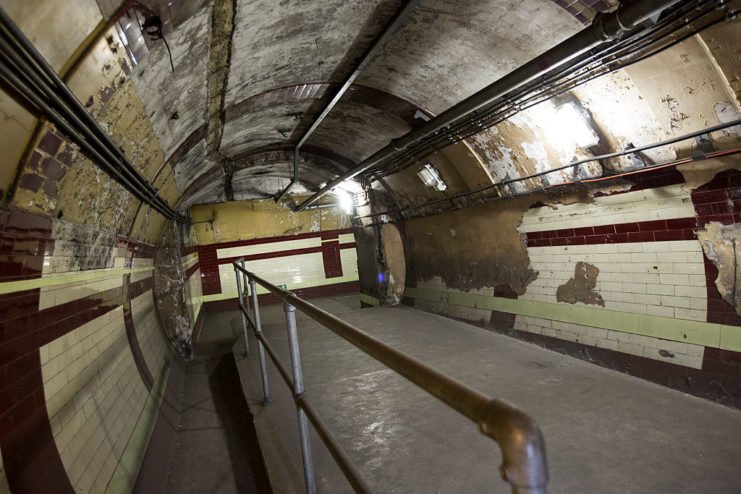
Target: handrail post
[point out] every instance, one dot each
(298, 389)
(244, 284)
(260, 349)
(241, 305)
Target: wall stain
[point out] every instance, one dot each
(580, 288)
(487, 249)
(722, 245)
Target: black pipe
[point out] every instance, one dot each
(393, 25)
(545, 89)
(35, 102)
(609, 28)
(573, 164)
(39, 82)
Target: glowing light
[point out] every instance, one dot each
(346, 200)
(431, 177)
(564, 124)
(381, 277)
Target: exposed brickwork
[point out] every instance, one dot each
(48, 164)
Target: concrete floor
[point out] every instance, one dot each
(605, 432)
(216, 448)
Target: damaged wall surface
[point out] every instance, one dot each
(84, 358)
(642, 265)
(617, 261)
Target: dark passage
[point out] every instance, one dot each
(212, 443)
(216, 449)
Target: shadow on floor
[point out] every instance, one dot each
(244, 452)
(209, 444)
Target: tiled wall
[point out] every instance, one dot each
(654, 309)
(79, 345)
(148, 332)
(193, 291)
(309, 263)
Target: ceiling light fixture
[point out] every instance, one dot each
(431, 177)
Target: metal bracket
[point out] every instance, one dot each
(704, 146)
(635, 157)
(511, 186)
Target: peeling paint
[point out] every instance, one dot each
(581, 287)
(699, 173)
(487, 250)
(722, 245)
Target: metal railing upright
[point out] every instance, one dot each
(518, 436)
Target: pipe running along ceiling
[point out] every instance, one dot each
(264, 100)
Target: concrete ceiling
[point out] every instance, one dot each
(250, 77)
(285, 59)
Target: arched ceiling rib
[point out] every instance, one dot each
(287, 59)
(440, 56)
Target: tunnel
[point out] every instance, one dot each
(390, 246)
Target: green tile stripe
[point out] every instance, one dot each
(695, 332)
(63, 279)
(127, 470)
(367, 299)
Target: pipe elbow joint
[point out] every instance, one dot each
(524, 462)
(398, 145)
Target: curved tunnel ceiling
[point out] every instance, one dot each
(251, 78)
(286, 60)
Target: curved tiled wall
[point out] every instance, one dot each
(82, 356)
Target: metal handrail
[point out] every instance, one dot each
(519, 438)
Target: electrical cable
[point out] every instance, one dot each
(548, 87)
(574, 164)
(152, 27)
(39, 89)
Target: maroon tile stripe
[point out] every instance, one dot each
(209, 262)
(267, 240)
(651, 179)
(719, 311)
(191, 270)
(326, 246)
(642, 231)
(718, 380)
(188, 250)
(30, 456)
(133, 291)
(718, 200)
(198, 326)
